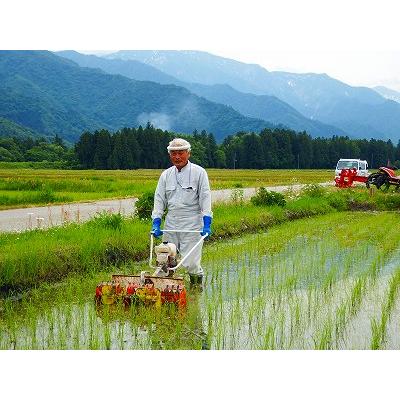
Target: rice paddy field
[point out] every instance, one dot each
(326, 282)
(29, 187)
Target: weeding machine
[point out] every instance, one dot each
(161, 287)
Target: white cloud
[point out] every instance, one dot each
(158, 120)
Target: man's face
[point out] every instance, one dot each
(179, 158)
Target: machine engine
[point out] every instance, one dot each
(166, 257)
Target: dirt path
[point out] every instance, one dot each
(21, 219)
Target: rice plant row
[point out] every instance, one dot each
(318, 283)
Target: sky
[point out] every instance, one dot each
(353, 41)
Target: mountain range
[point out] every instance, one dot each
(358, 111)
(267, 108)
(50, 94)
(66, 93)
(388, 93)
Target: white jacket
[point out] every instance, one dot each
(184, 193)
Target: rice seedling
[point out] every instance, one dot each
(299, 285)
(378, 327)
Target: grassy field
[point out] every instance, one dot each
(319, 283)
(36, 256)
(30, 187)
(312, 274)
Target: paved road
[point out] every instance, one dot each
(22, 219)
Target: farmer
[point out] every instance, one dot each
(184, 191)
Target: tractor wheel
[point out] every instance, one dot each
(378, 179)
(383, 183)
(374, 179)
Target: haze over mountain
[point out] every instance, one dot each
(359, 111)
(51, 94)
(268, 108)
(130, 68)
(388, 93)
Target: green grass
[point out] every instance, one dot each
(7, 165)
(302, 276)
(300, 285)
(22, 187)
(50, 255)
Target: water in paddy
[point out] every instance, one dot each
(323, 283)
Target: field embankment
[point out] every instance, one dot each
(110, 241)
(314, 283)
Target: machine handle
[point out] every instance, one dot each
(188, 254)
(179, 231)
(183, 259)
(151, 249)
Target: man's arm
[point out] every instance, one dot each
(160, 202)
(205, 194)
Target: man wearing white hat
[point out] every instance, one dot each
(184, 191)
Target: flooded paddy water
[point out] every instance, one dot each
(330, 282)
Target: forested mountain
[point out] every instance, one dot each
(53, 95)
(201, 67)
(11, 129)
(267, 108)
(359, 111)
(130, 68)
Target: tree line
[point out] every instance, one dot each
(279, 148)
(16, 149)
(145, 147)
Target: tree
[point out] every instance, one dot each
(231, 147)
(58, 141)
(6, 155)
(103, 149)
(12, 151)
(115, 158)
(198, 153)
(302, 150)
(251, 152)
(45, 152)
(211, 150)
(320, 157)
(284, 154)
(84, 150)
(270, 149)
(220, 159)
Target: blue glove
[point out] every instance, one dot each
(156, 227)
(207, 225)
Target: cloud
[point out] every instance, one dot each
(158, 120)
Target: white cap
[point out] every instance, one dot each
(178, 144)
